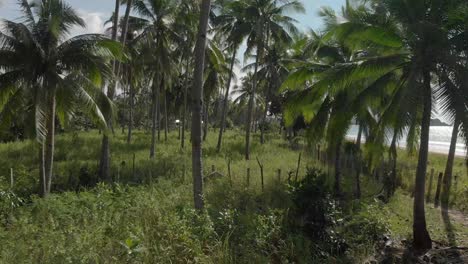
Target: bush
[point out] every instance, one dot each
(316, 213)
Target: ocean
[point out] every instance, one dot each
(439, 140)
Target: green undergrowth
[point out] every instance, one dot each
(148, 216)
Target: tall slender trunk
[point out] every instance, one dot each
(49, 145)
(131, 98)
(205, 124)
(123, 37)
(197, 106)
(104, 163)
(154, 121)
(358, 163)
(447, 181)
(158, 110)
(264, 118)
(123, 41)
(42, 175)
(359, 137)
(115, 20)
(393, 159)
(337, 185)
(421, 238)
(248, 125)
(166, 117)
(184, 107)
(226, 101)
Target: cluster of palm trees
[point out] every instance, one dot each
(382, 64)
(387, 65)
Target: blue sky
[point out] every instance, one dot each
(95, 12)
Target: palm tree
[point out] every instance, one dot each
(197, 105)
(267, 20)
(104, 164)
(415, 43)
(232, 26)
(185, 25)
(50, 76)
(156, 24)
(215, 75)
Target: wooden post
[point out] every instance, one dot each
(229, 172)
(248, 177)
(261, 172)
(298, 166)
(279, 175)
(429, 190)
(318, 152)
(133, 167)
(437, 195)
(12, 179)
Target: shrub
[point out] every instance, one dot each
(316, 213)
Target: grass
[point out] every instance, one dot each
(148, 217)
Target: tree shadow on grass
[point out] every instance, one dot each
(449, 228)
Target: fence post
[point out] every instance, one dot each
(298, 165)
(318, 152)
(437, 195)
(229, 172)
(133, 167)
(429, 191)
(261, 172)
(12, 179)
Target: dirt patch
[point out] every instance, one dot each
(401, 252)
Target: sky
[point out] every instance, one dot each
(96, 12)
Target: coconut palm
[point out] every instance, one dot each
(104, 164)
(414, 49)
(157, 18)
(233, 27)
(197, 105)
(49, 76)
(268, 21)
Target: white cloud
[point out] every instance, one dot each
(94, 23)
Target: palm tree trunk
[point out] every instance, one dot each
(131, 99)
(421, 238)
(184, 107)
(104, 163)
(225, 102)
(166, 118)
(42, 175)
(154, 117)
(205, 124)
(358, 163)
(337, 185)
(128, 9)
(123, 37)
(393, 159)
(115, 20)
(265, 113)
(158, 111)
(359, 137)
(197, 106)
(447, 181)
(49, 145)
(248, 125)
